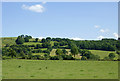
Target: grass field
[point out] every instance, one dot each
(32, 43)
(8, 40)
(102, 53)
(0, 70)
(51, 69)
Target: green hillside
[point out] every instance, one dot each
(49, 46)
(102, 53)
(8, 40)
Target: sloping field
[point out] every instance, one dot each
(103, 54)
(8, 40)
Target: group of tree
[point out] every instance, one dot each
(104, 44)
(60, 44)
(23, 38)
(17, 51)
(62, 54)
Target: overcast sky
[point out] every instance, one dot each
(77, 20)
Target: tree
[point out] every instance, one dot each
(46, 45)
(12, 53)
(111, 55)
(74, 50)
(38, 46)
(22, 36)
(48, 39)
(19, 40)
(47, 57)
(59, 52)
(7, 45)
(118, 52)
(64, 51)
(26, 39)
(43, 40)
(49, 48)
(106, 58)
(36, 40)
(22, 54)
(84, 58)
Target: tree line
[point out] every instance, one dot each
(60, 44)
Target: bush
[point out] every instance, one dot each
(106, 58)
(111, 55)
(84, 58)
(19, 40)
(54, 58)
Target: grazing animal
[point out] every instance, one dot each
(39, 68)
(19, 66)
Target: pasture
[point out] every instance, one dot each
(8, 40)
(59, 69)
(102, 53)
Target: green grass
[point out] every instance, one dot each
(58, 69)
(52, 43)
(52, 53)
(0, 70)
(33, 39)
(8, 40)
(103, 54)
(32, 43)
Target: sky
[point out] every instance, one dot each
(75, 20)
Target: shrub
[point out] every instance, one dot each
(84, 58)
(111, 55)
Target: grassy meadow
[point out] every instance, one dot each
(59, 69)
(0, 70)
(8, 40)
(102, 53)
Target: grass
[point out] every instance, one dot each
(59, 69)
(52, 53)
(102, 53)
(32, 43)
(8, 40)
(0, 69)
(52, 43)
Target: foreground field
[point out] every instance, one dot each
(0, 70)
(59, 69)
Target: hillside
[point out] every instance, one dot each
(46, 48)
(8, 40)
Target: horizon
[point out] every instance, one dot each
(78, 20)
(76, 39)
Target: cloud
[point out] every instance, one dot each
(96, 26)
(104, 30)
(100, 37)
(76, 38)
(35, 8)
(44, 2)
(115, 35)
(41, 37)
